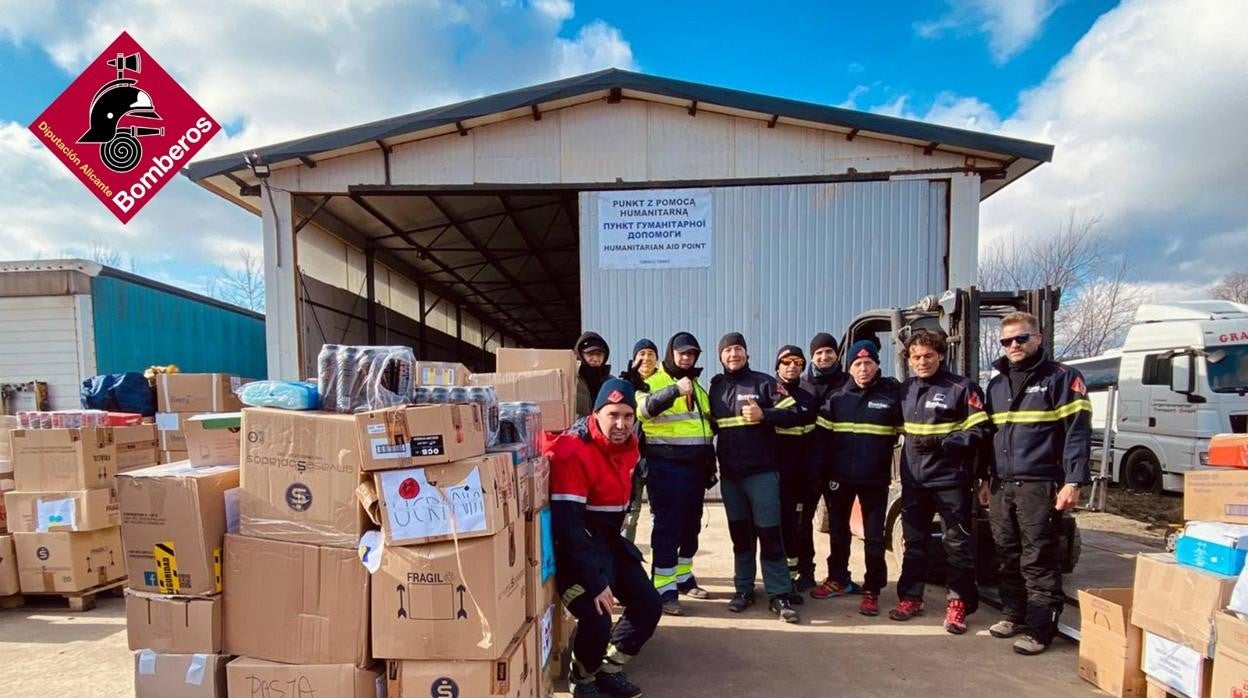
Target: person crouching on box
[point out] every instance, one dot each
(591, 469)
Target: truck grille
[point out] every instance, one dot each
(1239, 423)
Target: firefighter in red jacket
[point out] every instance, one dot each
(591, 470)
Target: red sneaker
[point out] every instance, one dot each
(955, 617)
(828, 588)
(870, 605)
(906, 609)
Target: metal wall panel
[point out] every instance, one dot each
(788, 261)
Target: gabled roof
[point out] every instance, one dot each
(864, 123)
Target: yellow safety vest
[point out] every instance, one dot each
(678, 425)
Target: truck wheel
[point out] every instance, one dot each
(1143, 472)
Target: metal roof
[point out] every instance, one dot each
(615, 79)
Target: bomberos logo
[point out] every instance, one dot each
(124, 127)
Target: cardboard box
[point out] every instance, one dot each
(136, 435)
(66, 561)
(166, 457)
(514, 360)
(8, 567)
(424, 609)
(1109, 646)
(173, 518)
(545, 387)
(295, 603)
(408, 437)
(514, 674)
(1230, 660)
(443, 373)
(173, 624)
(539, 550)
(169, 433)
(7, 424)
(52, 460)
(213, 439)
(465, 499)
(158, 675)
(1176, 666)
(197, 392)
(76, 510)
(543, 635)
(256, 678)
(1178, 602)
(6, 485)
(539, 482)
(1218, 494)
(136, 456)
(300, 471)
(1213, 546)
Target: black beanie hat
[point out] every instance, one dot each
(591, 340)
(732, 339)
(616, 391)
(864, 349)
(644, 344)
(823, 340)
(789, 350)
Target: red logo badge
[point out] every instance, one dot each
(972, 399)
(615, 396)
(409, 488)
(124, 127)
(1078, 386)
(863, 354)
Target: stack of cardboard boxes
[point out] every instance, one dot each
(8, 556)
(183, 395)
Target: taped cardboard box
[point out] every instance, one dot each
(173, 518)
(213, 439)
(198, 392)
(1176, 666)
(515, 674)
(160, 675)
(136, 456)
(1217, 494)
(465, 499)
(136, 435)
(167, 457)
(8, 567)
(50, 460)
(444, 373)
(295, 603)
(514, 360)
(169, 433)
(75, 510)
(545, 387)
(413, 436)
(1230, 659)
(1178, 602)
(174, 624)
(435, 601)
(299, 475)
(540, 575)
(1109, 646)
(257, 678)
(63, 562)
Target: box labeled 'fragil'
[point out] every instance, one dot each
(52, 460)
(465, 499)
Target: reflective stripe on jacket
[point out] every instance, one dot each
(1044, 433)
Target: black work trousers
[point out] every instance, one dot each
(1026, 530)
(799, 497)
(953, 505)
(597, 638)
(873, 502)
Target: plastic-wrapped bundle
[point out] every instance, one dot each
(358, 378)
(287, 395)
(521, 423)
(482, 395)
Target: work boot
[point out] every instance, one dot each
(955, 617)
(1005, 628)
(828, 589)
(673, 608)
(1029, 646)
(780, 606)
(795, 598)
(696, 593)
(804, 583)
(906, 609)
(617, 685)
(870, 605)
(740, 602)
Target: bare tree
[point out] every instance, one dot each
(1232, 287)
(103, 253)
(243, 286)
(1097, 318)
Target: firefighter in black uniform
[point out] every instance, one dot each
(800, 481)
(944, 424)
(1043, 420)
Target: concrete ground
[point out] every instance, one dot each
(834, 651)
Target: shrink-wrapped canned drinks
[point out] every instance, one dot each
(521, 423)
(63, 419)
(360, 378)
(483, 395)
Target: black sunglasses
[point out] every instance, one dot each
(1019, 338)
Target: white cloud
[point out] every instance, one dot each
(1011, 25)
(947, 109)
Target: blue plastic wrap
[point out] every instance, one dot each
(287, 395)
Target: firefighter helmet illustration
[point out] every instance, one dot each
(119, 145)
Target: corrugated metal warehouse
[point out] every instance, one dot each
(481, 224)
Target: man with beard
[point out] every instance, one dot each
(592, 353)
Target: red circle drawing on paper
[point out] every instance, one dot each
(409, 488)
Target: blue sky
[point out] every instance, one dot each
(1147, 143)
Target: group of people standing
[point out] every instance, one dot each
(776, 444)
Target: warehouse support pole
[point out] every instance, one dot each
(370, 283)
(281, 279)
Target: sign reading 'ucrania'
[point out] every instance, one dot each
(654, 229)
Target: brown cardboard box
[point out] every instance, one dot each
(408, 437)
(75, 510)
(198, 392)
(56, 562)
(173, 624)
(213, 439)
(513, 360)
(441, 373)
(136, 456)
(300, 471)
(159, 675)
(295, 603)
(256, 678)
(167, 457)
(6, 485)
(514, 674)
(50, 460)
(539, 587)
(169, 432)
(545, 387)
(1178, 602)
(8, 567)
(465, 499)
(1230, 659)
(137, 435)
(7, 424)
(174, 517)
(539, 482)
(1217, 494)
(424, 609)
(1109, 646)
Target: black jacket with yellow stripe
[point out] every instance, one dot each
(746, 448)
(795, 443)
(944, 425)
(864, 423)
(1045, 432)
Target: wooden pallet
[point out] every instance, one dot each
(84, 600)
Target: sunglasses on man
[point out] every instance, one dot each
(792, 361)
(1019, 339)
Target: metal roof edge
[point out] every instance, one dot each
(84, 266)
(123, 275)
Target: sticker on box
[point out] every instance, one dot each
(416, 508)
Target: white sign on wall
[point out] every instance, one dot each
(654, 229)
